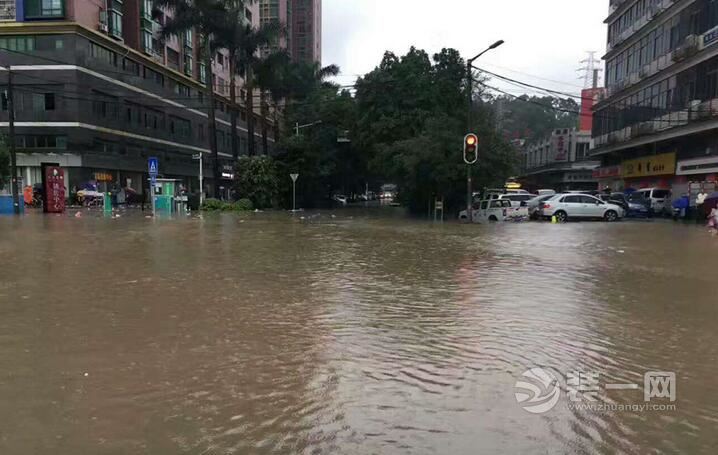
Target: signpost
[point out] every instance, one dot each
(294, 191)
(198, 156)
(153, 168)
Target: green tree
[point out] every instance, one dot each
(205, 17)
(257, 179)
(532, 117)
(411, 118)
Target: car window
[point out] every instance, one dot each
(495, 204)
(660, 194)
(572, 200)
(589, 200)
(507, 203)
(484, 205)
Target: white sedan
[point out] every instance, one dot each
(576, 206)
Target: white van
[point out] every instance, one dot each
(659, 199)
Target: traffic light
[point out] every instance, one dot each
(471, 148)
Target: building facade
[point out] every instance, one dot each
(97, 92)
(302, 20)
(657, 125)
(560, 162)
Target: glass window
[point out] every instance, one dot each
(571, 200)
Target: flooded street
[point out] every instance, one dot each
(354, 333)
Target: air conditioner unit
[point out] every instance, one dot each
(104, 28)
(704, 110)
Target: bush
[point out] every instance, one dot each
(215, 205)
(243, 205)
(212, 205)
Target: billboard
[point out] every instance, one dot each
(561, 145)
(650, 166)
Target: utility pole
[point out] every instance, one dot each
(13, 154)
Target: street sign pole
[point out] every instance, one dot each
(153, 167)
(294, 191)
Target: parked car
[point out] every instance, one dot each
(534, 205)
(659, 200)
(633, 205)
(340, 198)
(517, 199)
(580, 206)
(495, 210)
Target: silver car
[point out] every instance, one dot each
(580, 206)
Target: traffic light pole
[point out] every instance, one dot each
(469, 191)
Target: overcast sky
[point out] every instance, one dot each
(545, 38)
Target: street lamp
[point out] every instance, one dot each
(469, 120)
(298, 127)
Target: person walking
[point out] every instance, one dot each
(713, 221)
(700, 202)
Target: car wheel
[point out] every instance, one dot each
(493, 219)
(611, 216)
(561, 216)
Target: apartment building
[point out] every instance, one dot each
(302, 20)
(96, 92)
(560, 162)
(657, 125)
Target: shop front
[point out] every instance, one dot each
(696, 175)
(655, 171)
(609, 177)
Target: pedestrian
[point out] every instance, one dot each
(713, 221)
(700, 201)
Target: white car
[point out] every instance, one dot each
(517, 199)
(576, 206)
(494, 210)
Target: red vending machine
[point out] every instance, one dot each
(54, 190)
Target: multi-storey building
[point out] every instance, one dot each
(560, 162)
(658, 123)
(302, 20)
(97, 92)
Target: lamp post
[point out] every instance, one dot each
(298, 127)
(469, 121)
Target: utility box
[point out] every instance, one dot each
(165, 196)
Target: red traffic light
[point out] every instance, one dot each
(471, 148)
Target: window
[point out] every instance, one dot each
(115, 18)
(173, 59)
(42, 142)
(3, 99)
(49, 101)
(588, 199)
(571, 200)
(104, 106)
(103, 54)
(18, 43)
(153, 75)
(180, 127)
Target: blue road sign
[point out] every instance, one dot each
(153, 167)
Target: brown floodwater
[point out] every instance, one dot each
(350, 332)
